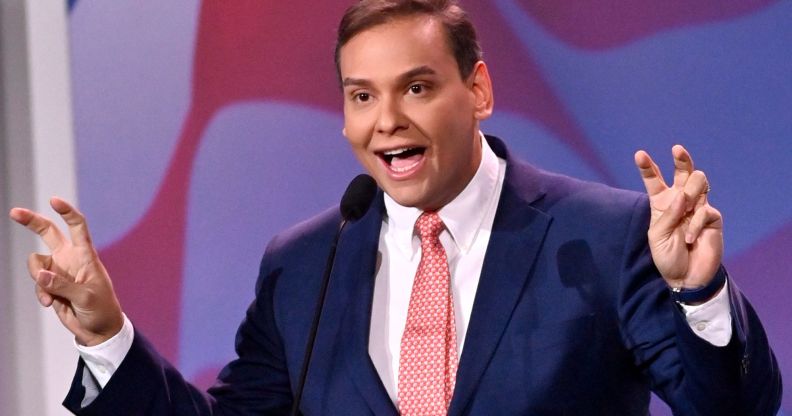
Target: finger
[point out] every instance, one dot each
(704, 217)
(49, 232)
(683, 165)
(38, 262)
(57, 285)
(695, 190)
(44, 298)
(78, 228)
(650, 173)
(670, 218)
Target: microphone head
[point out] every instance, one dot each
(358, 197)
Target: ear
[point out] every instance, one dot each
(481, 86)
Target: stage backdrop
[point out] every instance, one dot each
(204, 128)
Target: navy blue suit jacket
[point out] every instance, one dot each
(570, 318)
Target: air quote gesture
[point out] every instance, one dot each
(685, 231)
(71, 278)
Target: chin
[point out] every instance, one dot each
(404, 200)
(416, 195)
(405, 197)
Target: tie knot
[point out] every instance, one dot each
(429, 225)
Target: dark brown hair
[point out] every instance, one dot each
(460, 32)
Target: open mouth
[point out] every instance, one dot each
(404, 159)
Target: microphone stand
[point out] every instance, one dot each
(315, 325)
(356, 201)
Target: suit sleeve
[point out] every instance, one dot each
(256, 382)
(693, 376)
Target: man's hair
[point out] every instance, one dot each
(460, 33)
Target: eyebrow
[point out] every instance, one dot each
(421, 70)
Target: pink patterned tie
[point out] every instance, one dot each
(428, 360)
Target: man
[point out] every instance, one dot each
(475, 284)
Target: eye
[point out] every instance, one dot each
(417, 88)
(361, 97)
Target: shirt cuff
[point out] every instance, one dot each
(105, 358)
(711, 320)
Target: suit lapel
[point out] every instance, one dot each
(516, 240)
(356, 264)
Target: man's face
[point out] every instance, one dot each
(410, 118)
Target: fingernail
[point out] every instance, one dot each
(44, 277)
(688, 238)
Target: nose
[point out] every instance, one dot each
(391, 117)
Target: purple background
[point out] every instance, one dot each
(203, 128)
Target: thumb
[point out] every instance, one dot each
(56, 285)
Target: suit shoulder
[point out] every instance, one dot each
(306, 237)
(590, 199)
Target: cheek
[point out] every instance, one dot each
(357, 129)
(452, 136)
(354, 142)
(448, 115)
(359, 145)
(355, 135)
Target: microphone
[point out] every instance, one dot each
(354, 204)
(358, 197)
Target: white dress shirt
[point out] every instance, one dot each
(468, 220)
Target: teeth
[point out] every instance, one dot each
(395, 152)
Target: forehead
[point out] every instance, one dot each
(395, 47)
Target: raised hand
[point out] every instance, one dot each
(71, 278)
(685, 232)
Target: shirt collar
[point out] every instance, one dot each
(462, 216)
